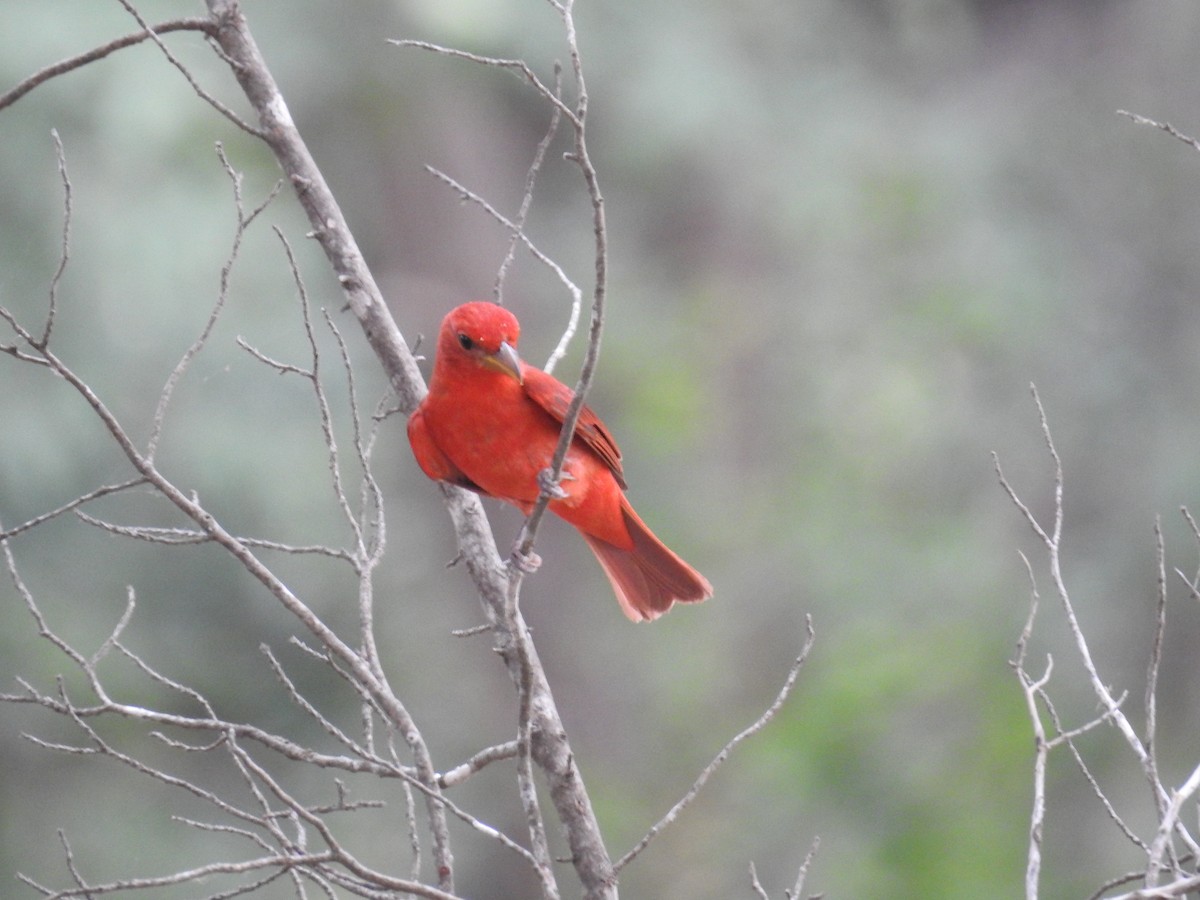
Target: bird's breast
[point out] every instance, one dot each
(500, 446)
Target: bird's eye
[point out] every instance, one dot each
(465, 342)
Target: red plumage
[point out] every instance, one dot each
(491, 422)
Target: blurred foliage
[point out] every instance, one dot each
(846, 237)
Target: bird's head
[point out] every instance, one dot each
(483, 334)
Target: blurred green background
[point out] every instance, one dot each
(846, 235)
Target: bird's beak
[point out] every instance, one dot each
(505, 360)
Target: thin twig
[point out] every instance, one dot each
(76, 62)
(1053, 542)
(188, 76)
(756, 885)
(798, 888)
(477, 763)
(115, 635)
(1179, 888)
(65, 253)
(515, 230)
(1167, 824)
(187, 536)
(1161, 126)
(371, 514)
(243, 223)
(73, 504)
(712, 767)
(1187, 515)
(1127, 878)
(1152, 669)
(1033, 862)
(518, 66)
(582, 159)
(303, 703)
(535, 167)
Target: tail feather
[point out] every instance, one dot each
(648, 578)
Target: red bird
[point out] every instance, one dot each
(491, 422)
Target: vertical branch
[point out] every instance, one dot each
(527, 788)
(539, 157)
(543, 732)
(1168, 822)
(1031, 688)
(1053, 542)
(65, 253)
(599, 293)
(1152, 668)
(802, 875)
(243, 223)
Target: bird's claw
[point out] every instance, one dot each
(552, 487)
(527, 562)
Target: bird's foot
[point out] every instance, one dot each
(527, 562)
(547, 483)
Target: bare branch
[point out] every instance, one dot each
(1152, 669)
(75, 62)
(186, 73)
(44, 630)
(65, 254)
(526, 787)
(516, 231)
(1167, 825)
(313, 376)
(1196, 534)
(63, 260)
(243, 223)
(477, 763)
(185, 536)
(296, 697)
(712, 767)
(798, 888)
(371, 503)
(1053, 543)
(1163, 856)
(582, 159)
(208, 723)
(756, 885)
(519, 66)
(281, 861)
(1179, 888)
(535, 167)
(1041, 750)
(1112, 883)
(115, 635)
(74, 504)
(1161, 126)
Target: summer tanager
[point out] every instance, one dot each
(491, 422)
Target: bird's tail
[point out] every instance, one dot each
(649, 578)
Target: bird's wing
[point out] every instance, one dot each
(554, 397)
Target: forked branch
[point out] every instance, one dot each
(1172, 841)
